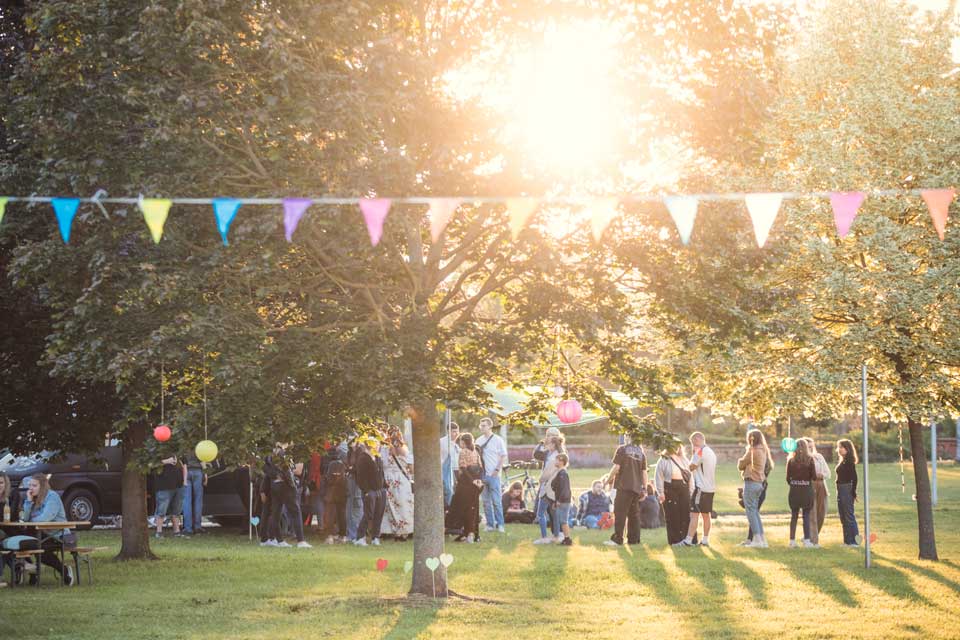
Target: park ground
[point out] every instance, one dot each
(221, 586)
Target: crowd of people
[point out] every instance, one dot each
(362, 491)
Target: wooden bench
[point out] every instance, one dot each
(20, 556)
(85, 555)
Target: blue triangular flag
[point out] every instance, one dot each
(65, 208)
(225, 209)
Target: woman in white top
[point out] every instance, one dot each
(547, 451)
(673, 485)
(819, 490)
(398, 473)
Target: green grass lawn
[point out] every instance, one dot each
(223, 587)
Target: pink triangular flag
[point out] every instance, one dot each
(763, 209)
(440, 213)
(846, 205)
(374, 212)
(602, 211)
(938, 202)
(293, 210)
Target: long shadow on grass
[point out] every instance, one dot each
(749, 578)
(924, 571)
(651, 572)
(546, 574)
(807, 568)
(412, 622)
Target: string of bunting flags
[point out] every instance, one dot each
(761, 207)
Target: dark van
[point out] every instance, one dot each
(90, 485)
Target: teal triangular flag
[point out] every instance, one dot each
(65, 208)
(225, 209)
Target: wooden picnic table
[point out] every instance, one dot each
(45, 528)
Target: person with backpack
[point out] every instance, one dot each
(335, 498)
(673, 485)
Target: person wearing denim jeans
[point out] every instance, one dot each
(450, 455)
(751, 502)
(193, 482)
(493, 451)
(755, 465)
(847, 491)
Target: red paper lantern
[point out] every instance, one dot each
(162, 433)
(569, 411)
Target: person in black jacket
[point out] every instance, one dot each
(373, 484)
(564, 497)
(847, 491)
(284, 494)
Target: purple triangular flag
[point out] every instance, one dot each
(374, 212)
(293, 210)
(845, 205)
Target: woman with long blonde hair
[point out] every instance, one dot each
(752, 465)
(44, 505)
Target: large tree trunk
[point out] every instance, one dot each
(134, 532)
(928, 543)
(428, 536)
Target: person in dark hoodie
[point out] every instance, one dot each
(373, 484)
(284, 493)
(335, 497)
(564, 498)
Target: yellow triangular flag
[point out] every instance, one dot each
(602, 212)
(440, 213)
(520, 210)
(155, 212)
(763, 209)
(3, 207)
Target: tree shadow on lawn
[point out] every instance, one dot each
(695, 605)
(546, 574)
(927, 572)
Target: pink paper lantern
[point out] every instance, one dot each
(162, 433)
(569, 411)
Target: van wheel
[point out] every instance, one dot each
(82, 505)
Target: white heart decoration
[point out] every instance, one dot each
(446, 559)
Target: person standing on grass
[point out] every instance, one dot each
(194, 480)
(546, 452)
(373, 484)
(464, 512)
(349, 452)
(281, 469)
(820, 494)
(752, 466)
(564, 497)
(169, 495)
(493, 451)
(335, 498)
(801, 472)
(672, 478)
(398, 472)
(847, 491)
(450, 457)
(628, 476)
(703, 464)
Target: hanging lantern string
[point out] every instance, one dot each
(341, 200)
(204, 375)
(162, 420)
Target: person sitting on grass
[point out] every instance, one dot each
(564, 498)
(44, 505)
(515, 507)
(650, 509)
(593, 504)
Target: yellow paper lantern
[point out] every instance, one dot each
(206, 451)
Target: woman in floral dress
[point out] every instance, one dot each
(398, 471)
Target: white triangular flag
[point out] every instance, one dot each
(440, 213)
(602, 212)
(683, 210)
(763, 209)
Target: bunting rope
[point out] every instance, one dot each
(762, 208)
